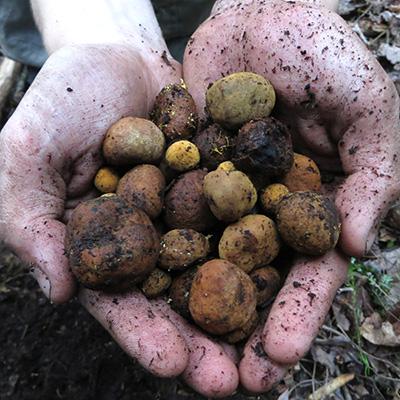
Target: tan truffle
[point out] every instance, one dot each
(156, 283)
(303, 176)
(229, 193)
(143, 187)
(186, 205)
(109, 244)
(222, 297)
(181, 248)
(308, 222)
(250, 242)
(133, 141)
(174, 112)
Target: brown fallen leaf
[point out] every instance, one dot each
(378, 332)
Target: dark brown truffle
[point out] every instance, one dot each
(265, 146)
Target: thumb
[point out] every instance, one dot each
(41, 244)
(362, 201)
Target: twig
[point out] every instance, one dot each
(331, 387)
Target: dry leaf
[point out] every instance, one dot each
(378, 332)
(321, 356)
(392, 53)
(340, 317)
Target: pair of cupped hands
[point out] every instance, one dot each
(342, 110)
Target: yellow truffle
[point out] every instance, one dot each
(227, 166)
(106, 180)
(272, 195)
(239, 98)
(182, 155)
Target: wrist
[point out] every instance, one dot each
(223, 5)
(124, 22)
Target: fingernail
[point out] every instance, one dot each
(42, 280)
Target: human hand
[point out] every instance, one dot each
(343, 112)
(49, 153)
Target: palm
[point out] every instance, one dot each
(342, 110)
(48, 161)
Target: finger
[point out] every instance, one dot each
(41, 244)
(230, 351)
(301, 306)
(363, 200)
(140, 331)
(210, 371)
(84, 171)
(71, 204)
(258, 373)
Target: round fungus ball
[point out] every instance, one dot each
(133, 141)
(109, 244)
(243, 332)
(156, 283)
(143, 187)
(267, 282)
(308, 222)
(182, 155)
(179, 292)
(239, 98)
(106, 180)
(186, 205)
(181, 248)
(174, 112)
(250, 242)
(272, 195)
(222, 297)
(215, 146)
(229, 193)
(264, 146)
(304, 175)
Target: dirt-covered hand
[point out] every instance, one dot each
(50, 150)
(342, 110)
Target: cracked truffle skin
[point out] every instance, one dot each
(222, 297)
(111, 245)
(308, 222)
(264, 146)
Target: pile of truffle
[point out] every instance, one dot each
(199, 214)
